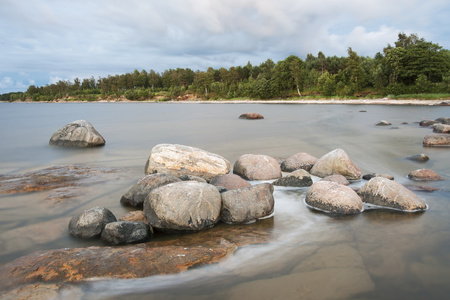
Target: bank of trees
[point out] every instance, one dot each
(411, 66)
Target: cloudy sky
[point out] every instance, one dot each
(43, 41)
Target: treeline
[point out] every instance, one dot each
(411, 66)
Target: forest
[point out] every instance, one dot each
(412, 66)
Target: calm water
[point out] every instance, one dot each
(377, 254)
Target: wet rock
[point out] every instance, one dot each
(192, 178)
(90, 223)
(78, 134)
(441, 128)
(126, 232)
(257, 167)
(436, 140)
(424, 174)
(334, 198)
(372, 175)
(136, 216)
(43, 292)
(336, 178)
(229, 181)
(419, 157)
(422, 188)
(297, 161)
(443, 120)
(247, 204)
(426, 123)
(179, 160)
(391, 194)
(183, 206)
(297, 178)
(336, 162)
(138, 192)
(251, 116)
(383, 123)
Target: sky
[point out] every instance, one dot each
(44, 41)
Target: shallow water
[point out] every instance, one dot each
(377, 254)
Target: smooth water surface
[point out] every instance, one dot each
(376, 254)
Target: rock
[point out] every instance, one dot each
(390, 194)
(443, 120)
(336, 162)
(426, 123)
(192, 178)
(297, 161)
(436, 139)
(138, 192)
(336, 178)
(422, 188)
(383, 123)
(247, 204)
(372, 175)
(183, 206)
(135, 216)
(90, 223)
(297, 178)
(419, 157)
(444, 103)
(126, 232)
(43, 292)
(251, 116)
(79, 133)
(180, 160)
(229, 181)
(441, 128)
(424, 174)
(332, 197)
(257, 167)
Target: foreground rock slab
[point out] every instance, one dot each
(178, 160)
(336, 162)
(78, 134)
(257, 167)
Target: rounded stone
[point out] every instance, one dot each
(90, 223)
(229, 181)
(336, 162)
(126, 232)
(419, 157)
(297, 161)
(336, 178)
(77, 134)
(436, 140)
(257, 167)
(297, 178)
(424, 175)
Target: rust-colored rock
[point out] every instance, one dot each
(425, 175)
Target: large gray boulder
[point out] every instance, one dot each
(383, 192)
(126, 232)
(138, 192)
(179, 160)
(79, 134)
(229, 181)
(257, 167)
(297, 161)
(90, 223)
(436, 140)
(247, 204)
(336, 162)
(297, 178)
(334, 198)
(183, 206)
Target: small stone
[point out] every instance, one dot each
(90, 223)
(424, 174)
(251, 116)
(419, 157)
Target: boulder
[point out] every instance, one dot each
(424, 175)
(79, 134)
(138, 192)
(372, 175)
(334, 198)
(336, 178)
(426, 123)
(443, 120)
(257, 167)
(251, 116)
(247, 204)
(419, 157)
(387, 193)
(192, 178)
(297, 161)
(297, 178)
(90, 223)
(126, 232)
(179, 160)
(441, 128)
(183, 206)
(436, 140)
(336, 162)
(229, 181)
(383, 123)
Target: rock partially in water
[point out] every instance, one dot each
(372, 175)
(257, 167)
(229, 181)
(138, 192)
(383, 192)
(436, 140)
(426, 123)
(179, 160)
(334, 198)
(336, 162)
(183, 206)
(441, 128)
(418, 157)
(336, 178)
(443, 120)
(383, 123)
(297, 161)
(424, 175)
(247, 204)
(297, 178)
(422, 188)
(192, 178)
(44, 292)
(251, 116)
(126, 232)
(79, 134)
(90, 223)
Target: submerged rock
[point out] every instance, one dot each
(297, 178)
(336, 162)
(257, 167)
(436, 139)
(251, 116)
(229, 181)
(391, 194)
(126, 232)
(426, 123)
(179, 160)
(78, 134)
(424, 174)
(297, 161)
(419, 157)
(91, 222)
